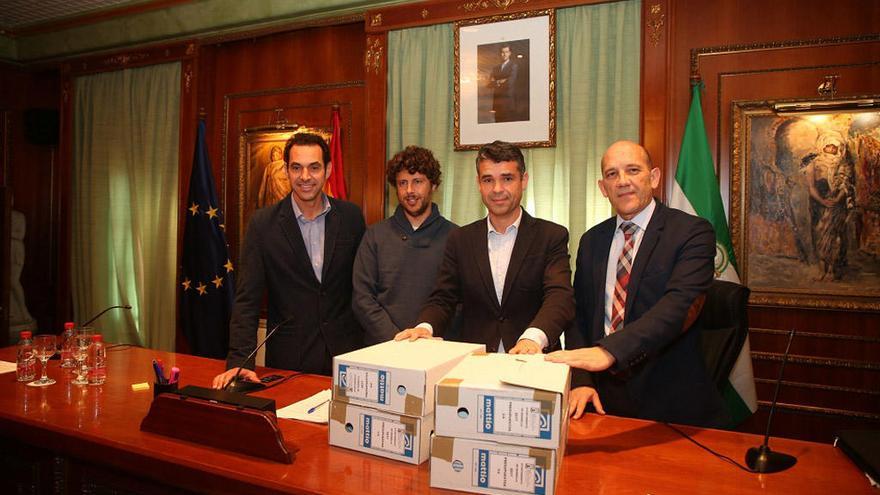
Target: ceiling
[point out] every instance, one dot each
(17, 14)
(41, 31)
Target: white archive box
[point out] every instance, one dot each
(489, 467)
(517, 399)
(398, 437)
(397, 376)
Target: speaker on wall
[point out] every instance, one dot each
(41, 126)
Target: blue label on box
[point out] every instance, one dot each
(546, 427)
(483, 468)
(408, 445)
(342, 376)
(367, 433)
(488, 414)
(540, 480)
(383, 387)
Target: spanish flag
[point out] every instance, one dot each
(335, 185)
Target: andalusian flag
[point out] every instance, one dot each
(695, 190)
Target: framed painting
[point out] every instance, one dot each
(805, 206)
(262, 170)
(505, 80)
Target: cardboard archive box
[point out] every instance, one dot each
(514, 399)
(397, 377)
(488, 467)
(398, 437)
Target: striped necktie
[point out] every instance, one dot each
(624, 267)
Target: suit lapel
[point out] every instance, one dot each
(600, 270)
(524, 238)
(480, 244)
(331, 232)
(290, 228)
(643, 256)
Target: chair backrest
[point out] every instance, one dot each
(724, 323)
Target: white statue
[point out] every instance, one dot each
(19, 316)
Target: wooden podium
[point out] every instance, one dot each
(237, 428)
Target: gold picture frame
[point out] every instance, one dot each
(505, 80)
(262, 173)
(805, 206)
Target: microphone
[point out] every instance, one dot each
(762, 459)
(123, 306)
(245, 386)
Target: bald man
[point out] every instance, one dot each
(637, 275)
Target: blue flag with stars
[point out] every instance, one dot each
(207, 281)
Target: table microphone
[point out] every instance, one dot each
(762, 459)
(246, 386)
(123, 306)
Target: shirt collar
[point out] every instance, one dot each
(642, 218)
(297, 212)
(514, 225)
(400, 218)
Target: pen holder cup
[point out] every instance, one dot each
(164, 388)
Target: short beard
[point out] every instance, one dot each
(419, 212)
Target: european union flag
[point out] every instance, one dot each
(208, 285)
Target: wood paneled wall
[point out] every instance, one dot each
(298, 75)
(31, 173)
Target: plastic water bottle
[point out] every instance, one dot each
(26, 361)
(97, 361)
(67, 343)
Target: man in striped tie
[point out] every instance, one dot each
(638, 276)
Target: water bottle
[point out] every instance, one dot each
(67, 343)
(97, 361)
(26, 361)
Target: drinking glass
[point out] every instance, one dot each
(81, 342)
(44, 348)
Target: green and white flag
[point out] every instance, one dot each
(695, 191)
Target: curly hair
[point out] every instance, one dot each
(414, 159)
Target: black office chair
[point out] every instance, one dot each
(725, 326)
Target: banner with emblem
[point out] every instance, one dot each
(207, 278)
(695, 191)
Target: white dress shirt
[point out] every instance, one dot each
(500, 246)
(641, 220)
(313, 234)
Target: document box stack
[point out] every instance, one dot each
(383, 396)
(501, 422)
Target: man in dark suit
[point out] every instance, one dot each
(639, 275)
(510, 271)
(503, 80)
(300, 252)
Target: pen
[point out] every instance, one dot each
(158, 371)
(315, 408)
(162, 378)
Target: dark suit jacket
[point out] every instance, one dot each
(274, 260)
(537, 288)
(659, 372)
(504, 95)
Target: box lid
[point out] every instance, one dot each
(500, 370)
(421, 354)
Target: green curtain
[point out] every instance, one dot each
(597, 103)
(124, 202)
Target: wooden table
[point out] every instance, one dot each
(88, 438)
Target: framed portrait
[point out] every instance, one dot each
(262, 171)
(805, 206)
(505, 80)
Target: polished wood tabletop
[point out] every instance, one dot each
(605, 455)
